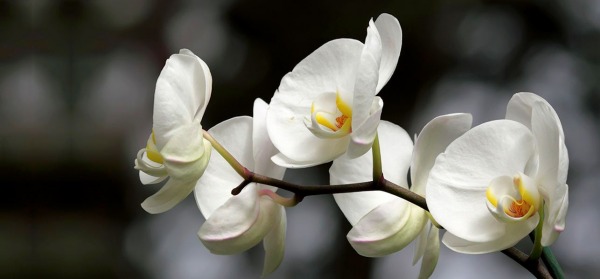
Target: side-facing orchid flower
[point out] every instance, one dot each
(328, 102)
(489, 186)
(538, 115)
(237, 223)
(383, 223)
(176, 148)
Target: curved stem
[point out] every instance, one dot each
(287, 202)
(535, 267)
(239, 168)
(310, 190)
(402, 192)
(552, 264)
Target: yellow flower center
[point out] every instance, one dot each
(517, 209)
(513, 199)
(334, 118)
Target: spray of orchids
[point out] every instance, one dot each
(488, 186)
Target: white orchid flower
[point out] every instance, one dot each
(383, 223)
(328, 102)
(489, 185)
(237, 223)
(176, 148)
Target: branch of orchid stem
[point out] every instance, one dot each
(535, 267)
(310, 190)
(300, 191)
(235, 164)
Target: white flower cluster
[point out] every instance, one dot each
(488, 186)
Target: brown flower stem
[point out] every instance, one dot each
(535, 267)
(310, 190)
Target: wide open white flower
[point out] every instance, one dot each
(237, 223)
(383, 223)
(487, 188)
(328, 102)
(176, 148)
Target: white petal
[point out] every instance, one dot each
(554, 221)
(367, 76)
(242, 222)
(181, 91)
(421, 243)
(147, 179)
(396, 150)
(274, 244)
(262, 147)
(553, 167)
(391, 40)
(364, 134)
(546, 133)
(514, 233)
(280, 160)
(207, 82)
(387, 229)
(458, 180)
(433, 140)
(173, 192)
(431, 253)
(520, 108)
(563, 162)
(331, 68)
(214, 187)
(150, 171)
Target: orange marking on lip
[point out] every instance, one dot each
(518, 209)
(340, 120)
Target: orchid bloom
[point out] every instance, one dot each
(328, 102)
(383, 223)
(237, 223)
(489, 186)
(176, 148)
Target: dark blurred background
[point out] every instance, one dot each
(76, 92)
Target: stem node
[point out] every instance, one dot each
(235, 191)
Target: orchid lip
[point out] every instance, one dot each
(513, 199)
(331, 117)
(148, 167)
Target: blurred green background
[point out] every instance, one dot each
(76, 91)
